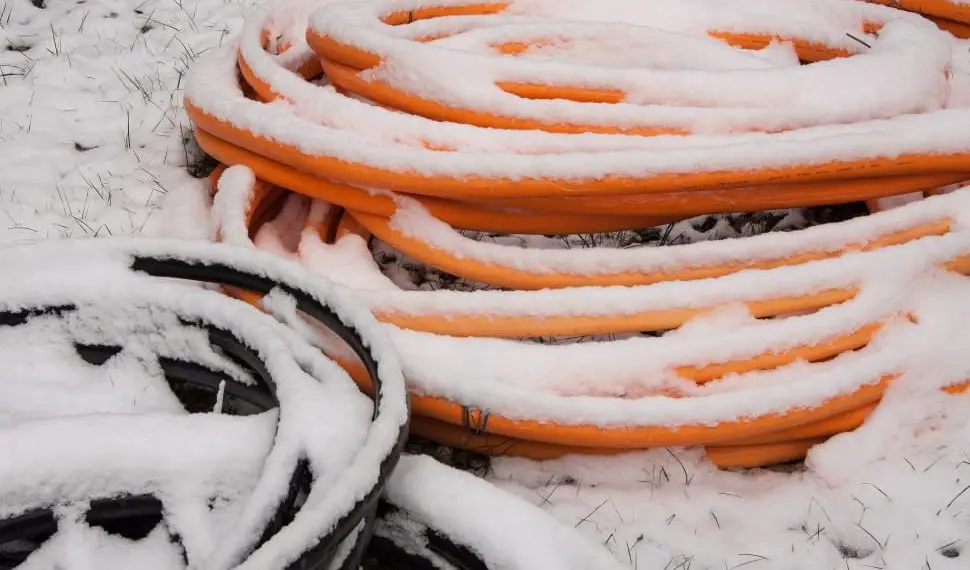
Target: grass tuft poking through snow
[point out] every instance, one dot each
(93, 135)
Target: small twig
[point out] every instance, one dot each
(872, 536)
(687, 477)
(754, 558)
(958, 495)
(591, 513)
(883, 493)
(858, 40)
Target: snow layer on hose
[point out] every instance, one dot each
(101, 455)
(716, 101)
(576, 384)
(213, 86)
(412, 220)
(626, 47)
(504, 530)
(233, 196)
(631, 368)
(325, 417)
(357, 119)
(557, 382)
(855, 269)
(77, 545)
(325, 106)
(580, 384)
(897, 264)
(900, 264)
(45, 377)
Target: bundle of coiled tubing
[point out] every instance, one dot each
(416, 124)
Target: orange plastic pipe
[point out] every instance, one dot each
(563, 204)
(747, 456)
(513, 278)
(482, 187)
(740, 443)
(955, 11)
(461, 215)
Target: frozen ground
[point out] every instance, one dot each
(94, 141)
(92, 132)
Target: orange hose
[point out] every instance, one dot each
(935, 9)
(751, 438)
(486, 188)
(491, 202)
(747, 442)
(514, 278)
(342, 63)
(514, 326)
(677, 195)
(958, 29)
(745, 456)
(457, 214)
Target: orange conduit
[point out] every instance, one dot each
(661, 319)
(752, 442)
(958, 29)
(343, 61)
(681, 194)
(522, 204)
(953, 17)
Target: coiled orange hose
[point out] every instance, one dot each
(747, 443)
(486, 200)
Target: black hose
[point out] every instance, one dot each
(188, 378)
(197, 386)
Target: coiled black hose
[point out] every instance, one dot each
(196, 386)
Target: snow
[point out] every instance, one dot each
(92, 142)
(323, 415)
(85, 547)
(219, 96)
(578, 384)
(413, 221)
(897, 506)
(848, 272)
(92, 111)
(770, 99)
(844, 273)
(154, 444)
(503, 529)
(934, 133)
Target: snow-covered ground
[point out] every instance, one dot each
(92, 131)
(94, 141)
